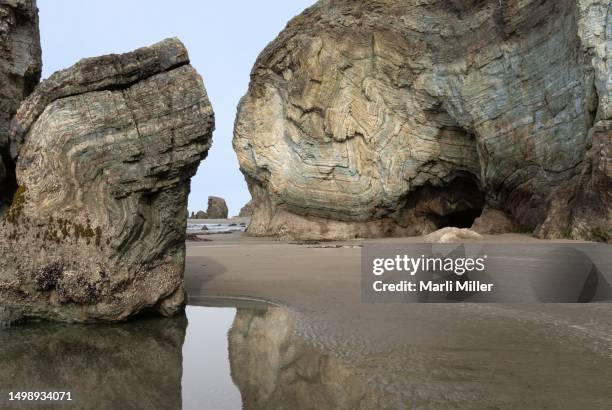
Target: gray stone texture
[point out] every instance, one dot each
(246, 210)
(105, 151)
(20, 67)
(217, 208)
(383, 118)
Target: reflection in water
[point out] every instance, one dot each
(207, 383)
(256, 358)
(131, 365)
(274, 369)
(514, 365)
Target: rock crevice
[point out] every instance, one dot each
(20, 68)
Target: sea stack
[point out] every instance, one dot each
(201, 215)
(217, 208)
(386, 118)
(104, 151)
(246, 210)
(20, 67)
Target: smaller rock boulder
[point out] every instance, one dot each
(217, 208)
(451, 235)
(493, 221)
(246, 210)
(201, 215)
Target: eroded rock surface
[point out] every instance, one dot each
(246, 210)
(20, 66)
(105, 151)
(201, 215)
(493, 221)
(381, 118)
(217, 208)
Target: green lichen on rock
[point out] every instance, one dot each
(16, 208)
(98, 232)
(567, 233)
(601, 234)
(97, 205)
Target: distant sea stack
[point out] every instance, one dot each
(201, 215)
(246, 210)
(104, 154)
(384, 118)
(20, 67)
(217, 208)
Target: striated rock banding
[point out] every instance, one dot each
(105, 151)
(383, 118)
(20, 67)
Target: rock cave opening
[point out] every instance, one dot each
(457, 203)
(460, 219)
(462, 202)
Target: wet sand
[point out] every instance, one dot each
(468, 355)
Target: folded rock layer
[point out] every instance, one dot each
(382, 118)
(105, 151)
(20, 66)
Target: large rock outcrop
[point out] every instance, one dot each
(217, 208)
(377, 118)
(20, 66)
(105, 151)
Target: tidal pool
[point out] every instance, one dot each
(264, 357)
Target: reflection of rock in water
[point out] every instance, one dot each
(273, 368)
(489, 360)
(136, 365)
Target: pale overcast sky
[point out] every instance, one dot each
(223, 38)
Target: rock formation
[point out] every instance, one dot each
(104, 153)
(217, 209)
(90, 362)
(452, 235)
(201, 215)
(246, 210)
(20, 66)
(379, 118)
(492, 221)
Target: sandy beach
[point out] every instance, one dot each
(442, 353)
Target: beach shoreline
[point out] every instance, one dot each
(321, 285)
